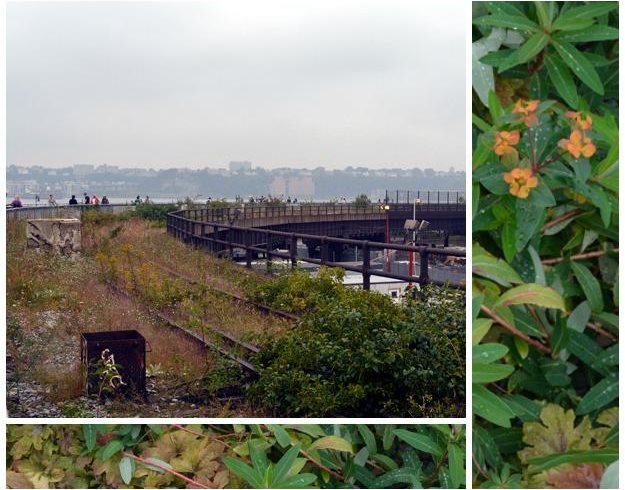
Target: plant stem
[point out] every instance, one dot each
(587, 255)
(560, 219)
(601, 331)
(321, 465)
(165, 468)
(513, 330)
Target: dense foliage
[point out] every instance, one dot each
(356, 353)
(545, 244)
(235, 456)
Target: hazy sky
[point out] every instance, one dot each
(280, 83)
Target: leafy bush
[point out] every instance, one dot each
(359, 354)
(235, 456)
(545, 244)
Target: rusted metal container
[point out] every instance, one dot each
(127, 348)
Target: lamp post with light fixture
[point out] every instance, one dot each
(387, 238)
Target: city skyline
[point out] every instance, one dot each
(317, 84)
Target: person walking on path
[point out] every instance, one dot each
(105, 200)
(73, 201)
(87, 201)
(52, 201)
(17, 202)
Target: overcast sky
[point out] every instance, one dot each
(279, 83)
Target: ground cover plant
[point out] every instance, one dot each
(235, 456)
(545, 244)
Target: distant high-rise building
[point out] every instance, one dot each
(243, 166)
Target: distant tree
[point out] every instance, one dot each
(362, 200)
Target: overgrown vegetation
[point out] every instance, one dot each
(545, 245)
(235, 456)
(356, 353)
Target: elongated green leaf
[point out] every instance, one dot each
(532, 294)
(298, 481)
(599, 395)
(562, 79)
(332, 442)
(589, 34)
(90, 431)
(585, 12)
(400, 475)
(488, 353)
(490, 407)
(126, 469)
(112, 448)
(526, 52)
(590, 285)
(152, 463)
(421, 442)
(605, 455)
(244, 471)
(509, 21)
(488, 373)
(456, 465)
(369, 438)
(281, 470)
(579, 64)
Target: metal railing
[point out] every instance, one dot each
(50, 212)
(426, 197)
(222, 238)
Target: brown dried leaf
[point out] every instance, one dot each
(584, 475)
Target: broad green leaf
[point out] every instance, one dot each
(495, 269)
(421, 442)
(508, 240)
(599, 395)
(487, 353)
(590, 285)
(385, 461)
(579, 317)
(400, 475)
(480, 123)
(524, 408)
(388, 437)
(90, 432)
(529, 50)
(126, 469)
(281, 434)
(481, 326)
(111, 448)
(545, 12)
(494, 106)
(562, 79)
(539, 270)
(156, 428)
(332, 442)
(490, 407)
(579, 64)
(488, 373)
(604, 455)
(456, 465)
(532, 294)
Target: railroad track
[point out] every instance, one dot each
(259, 306)
(225, 338)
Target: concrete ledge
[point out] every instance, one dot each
(56, 235)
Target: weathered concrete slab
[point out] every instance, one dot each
(54, 235)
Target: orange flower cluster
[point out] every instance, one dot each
(578, 143)
(527, 111)
(505, 141)
(521, 180)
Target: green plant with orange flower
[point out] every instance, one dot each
(545, 248)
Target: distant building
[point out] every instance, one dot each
(301, 187)
(81, 170)
(22, 187)
(243, 166)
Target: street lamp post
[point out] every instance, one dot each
(385, 208)
(414, 236)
